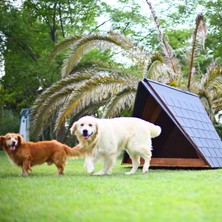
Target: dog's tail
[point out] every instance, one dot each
(73, 152)
(154, 130)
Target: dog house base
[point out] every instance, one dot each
(171, 162)
(178, 162)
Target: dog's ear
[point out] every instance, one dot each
(73, 128)
(20, 140)
(2, 140)
(97, 128)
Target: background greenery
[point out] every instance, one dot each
(160, 195)
(30, 32)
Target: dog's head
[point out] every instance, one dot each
(86, 128)
(11, 141)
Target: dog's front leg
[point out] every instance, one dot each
(107, 165)
(89, 163)
(26, 166)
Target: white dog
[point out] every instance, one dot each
(106, 138)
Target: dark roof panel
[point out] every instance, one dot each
(187, 111)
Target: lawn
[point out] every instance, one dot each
(160, 195)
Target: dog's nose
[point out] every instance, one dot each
(13, 143)
(85, 132)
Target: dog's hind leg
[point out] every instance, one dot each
(59, 159)
(60, 167)
(147, 158)
(135, 162)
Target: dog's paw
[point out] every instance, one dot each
(109, 172)
(90, 171)
(100, 173)
(129, 173)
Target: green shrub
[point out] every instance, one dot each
(9, 121)
(218, 127)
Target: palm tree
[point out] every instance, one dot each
(209, 85)
(90, 85)
(170, 63)
(209, 89)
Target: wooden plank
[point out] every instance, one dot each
(174, 162)
(178, 162)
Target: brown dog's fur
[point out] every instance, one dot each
(28, 154)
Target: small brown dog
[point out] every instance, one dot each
(28, 154)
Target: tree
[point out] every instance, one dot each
(24, 67)
(85, 90)
(27, 35)
(9, 121)
(207, 85)
(213, 13)
(209, 89)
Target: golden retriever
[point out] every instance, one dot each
(106, 138)
(28, 154)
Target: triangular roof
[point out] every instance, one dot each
(188, 137)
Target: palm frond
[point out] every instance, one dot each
(53, 98)
(62, 46)
(123, 100)
(74, 57)
(57, 87)
(202, 30)
(169, 54)
(159, 71)
(90, 109)
(207, 102)
(210, 81)
(217, 103)
(213, 77)
(112, 37)
(98, 66)
(91, 65)
(209, 87)
(199, 34)
(97, 88)
(87, 43)
(42, 120)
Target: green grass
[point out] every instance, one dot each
(160, 195)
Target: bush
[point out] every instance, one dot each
(218, 127)
(9, 121)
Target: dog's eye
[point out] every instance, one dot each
(90, 125)
(16, 138)
(81, 124)
(8, 138)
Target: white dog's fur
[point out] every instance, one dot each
(106, 138)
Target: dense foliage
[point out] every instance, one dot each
(29, 33)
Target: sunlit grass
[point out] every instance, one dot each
(160, 195)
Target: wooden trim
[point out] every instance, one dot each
(178, 162)
(174, 162)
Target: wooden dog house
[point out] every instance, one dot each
(188, 137)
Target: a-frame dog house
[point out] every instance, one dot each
(188, 137)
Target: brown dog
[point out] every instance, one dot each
(28, 154)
